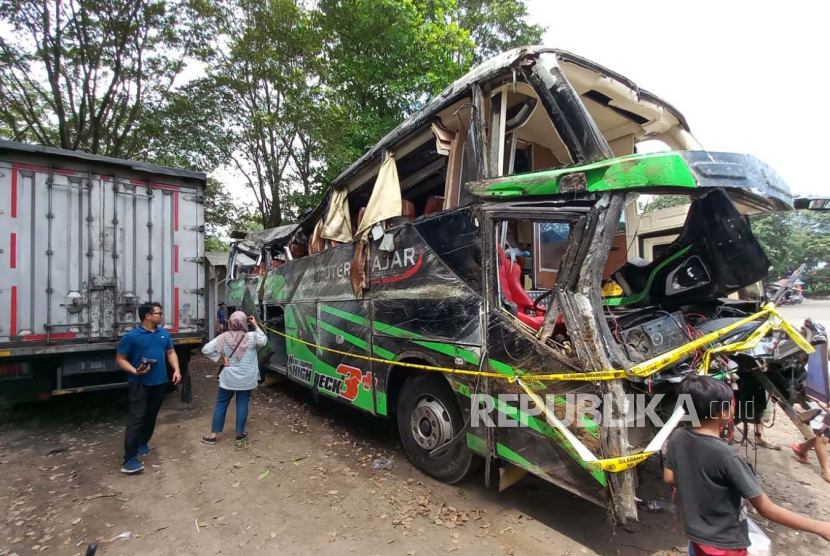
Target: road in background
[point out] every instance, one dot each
(816, 309)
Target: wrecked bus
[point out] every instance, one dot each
(492, 254)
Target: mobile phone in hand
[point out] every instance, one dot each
(145, 365)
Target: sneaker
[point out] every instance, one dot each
(132, 466)
(241, 436)
(144, 450)
(209, 440)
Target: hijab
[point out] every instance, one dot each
(237, 335)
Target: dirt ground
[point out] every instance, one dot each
(304, 484)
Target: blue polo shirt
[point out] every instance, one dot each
(140, 342)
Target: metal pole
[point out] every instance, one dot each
(49, 252)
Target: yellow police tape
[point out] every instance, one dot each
(617, 464)
(644, 369)
(584, 377)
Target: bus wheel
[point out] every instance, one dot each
(429, 417)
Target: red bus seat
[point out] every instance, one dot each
(512, 289)
(435, 203)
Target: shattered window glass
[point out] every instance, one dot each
(553, 237)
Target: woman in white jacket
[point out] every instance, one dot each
(238, 350)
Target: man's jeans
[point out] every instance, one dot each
(144, 404)
(223, 400)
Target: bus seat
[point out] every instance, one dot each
(407, 215)
(513, 277)
(408, 210)
(513, 291)
(435, 203)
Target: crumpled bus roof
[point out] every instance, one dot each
(651, 172)
(488, 69)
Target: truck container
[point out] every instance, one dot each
(84, 240)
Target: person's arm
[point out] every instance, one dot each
(744, 481)
(173, 361)
(261, 338)
(122, 363)
(669, 464)
(209, 349)
(782, 516)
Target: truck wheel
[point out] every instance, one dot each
(428, 417)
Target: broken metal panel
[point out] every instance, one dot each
(578, 131)
(802, 427)
(581, 308)
(511, 350)
(614, 438)
(411, 267)
(418, 286)
(255, 240)
(322, 276)
(714, 255)
(688, 172)
(503, 64)
(454, 237)
(453, 320)
(477, 138)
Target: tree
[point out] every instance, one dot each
(85, 74)
(659, 202)
(384, 59)
(497, 25)
(294, 92)
(793, 238)
(773, 232)
(252, 100)
(214, 243)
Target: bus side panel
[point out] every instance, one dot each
(302, 359)
(344, 326)
(453, 236)
(235, 293)
(527, 439)
(389, 378)
(319, 277)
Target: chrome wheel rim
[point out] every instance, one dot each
(430, 423)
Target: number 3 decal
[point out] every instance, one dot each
(352, 378)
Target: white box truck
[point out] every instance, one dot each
(84, 240)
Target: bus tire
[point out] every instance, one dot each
(428, 417)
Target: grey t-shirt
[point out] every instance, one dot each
(711, 479)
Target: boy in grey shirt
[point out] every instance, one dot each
(712, 478)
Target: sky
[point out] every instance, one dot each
(750, 77)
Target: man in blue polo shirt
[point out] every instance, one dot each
(142, 353)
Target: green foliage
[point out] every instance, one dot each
(89, 74)
(793, 238)
(497, 25)
(385, 58)
(213, 243)
(659, 202)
